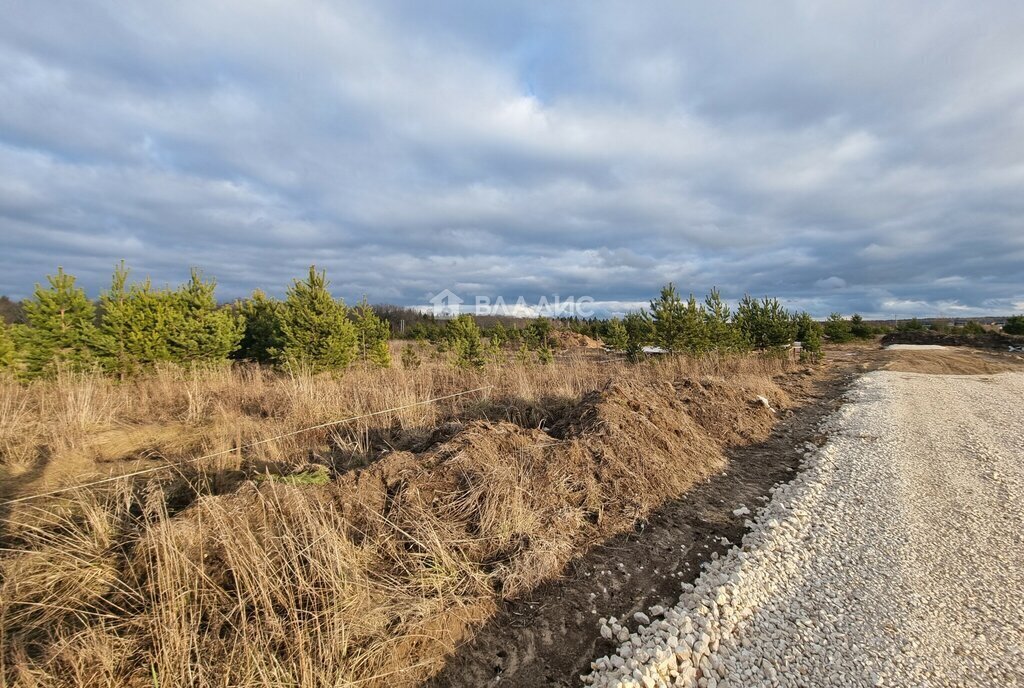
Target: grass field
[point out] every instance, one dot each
(356, 554)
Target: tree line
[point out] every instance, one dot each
(677, 325)
(135, 325)
(674, 324)
(473, 346)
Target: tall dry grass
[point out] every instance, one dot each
(48, 418)
(368, 580)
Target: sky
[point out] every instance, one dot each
(842, 156)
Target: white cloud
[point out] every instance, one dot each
(831, 283)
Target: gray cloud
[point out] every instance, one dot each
(846, 156)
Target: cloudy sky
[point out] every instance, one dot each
(848, 156)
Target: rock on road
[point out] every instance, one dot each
(896, 556)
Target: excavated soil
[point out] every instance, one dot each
(564, 339)
(953, 361)
(523, 501)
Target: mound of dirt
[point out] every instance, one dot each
(521, 502)
(421, 547)
(566, 339)
(549, 637)
(951, 361)
(915, 347)
(724, 410)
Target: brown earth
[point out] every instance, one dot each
(566, 339)
(509, 505)
(952, 361)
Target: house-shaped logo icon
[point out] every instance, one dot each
(446, 304)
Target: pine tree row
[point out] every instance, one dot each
(135, 325)
(678, 325)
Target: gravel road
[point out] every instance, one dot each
(894, 558)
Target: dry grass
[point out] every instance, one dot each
(211, 578)
(50, 419)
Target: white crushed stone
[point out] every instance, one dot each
(912, 347)
(893, 558)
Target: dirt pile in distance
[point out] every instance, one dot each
(566, 339)
(952, 361)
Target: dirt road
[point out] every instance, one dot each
(894, 558)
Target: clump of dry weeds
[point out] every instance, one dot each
(373, 578)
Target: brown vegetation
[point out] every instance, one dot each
(224, 574)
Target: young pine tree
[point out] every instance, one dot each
(696, 340)
(410, 359)
(1014, 325)
(463, 337)
(639, 333)
(135, 324)
(523, 355)
(764, 324)
(113, 323)
(201, 331)
(498, 335)
(6, 348)
(973, 327)
(61, 331)
(538, 333)
(837, 329)
(678, 325)
(261, 337)
(493, 349)
(316, 332)
(720, 332)
(859, 328)
(615, 336)
(915, 325)
(372, 335)
(809, 334)
(668, 313)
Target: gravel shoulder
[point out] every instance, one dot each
(893, 558)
